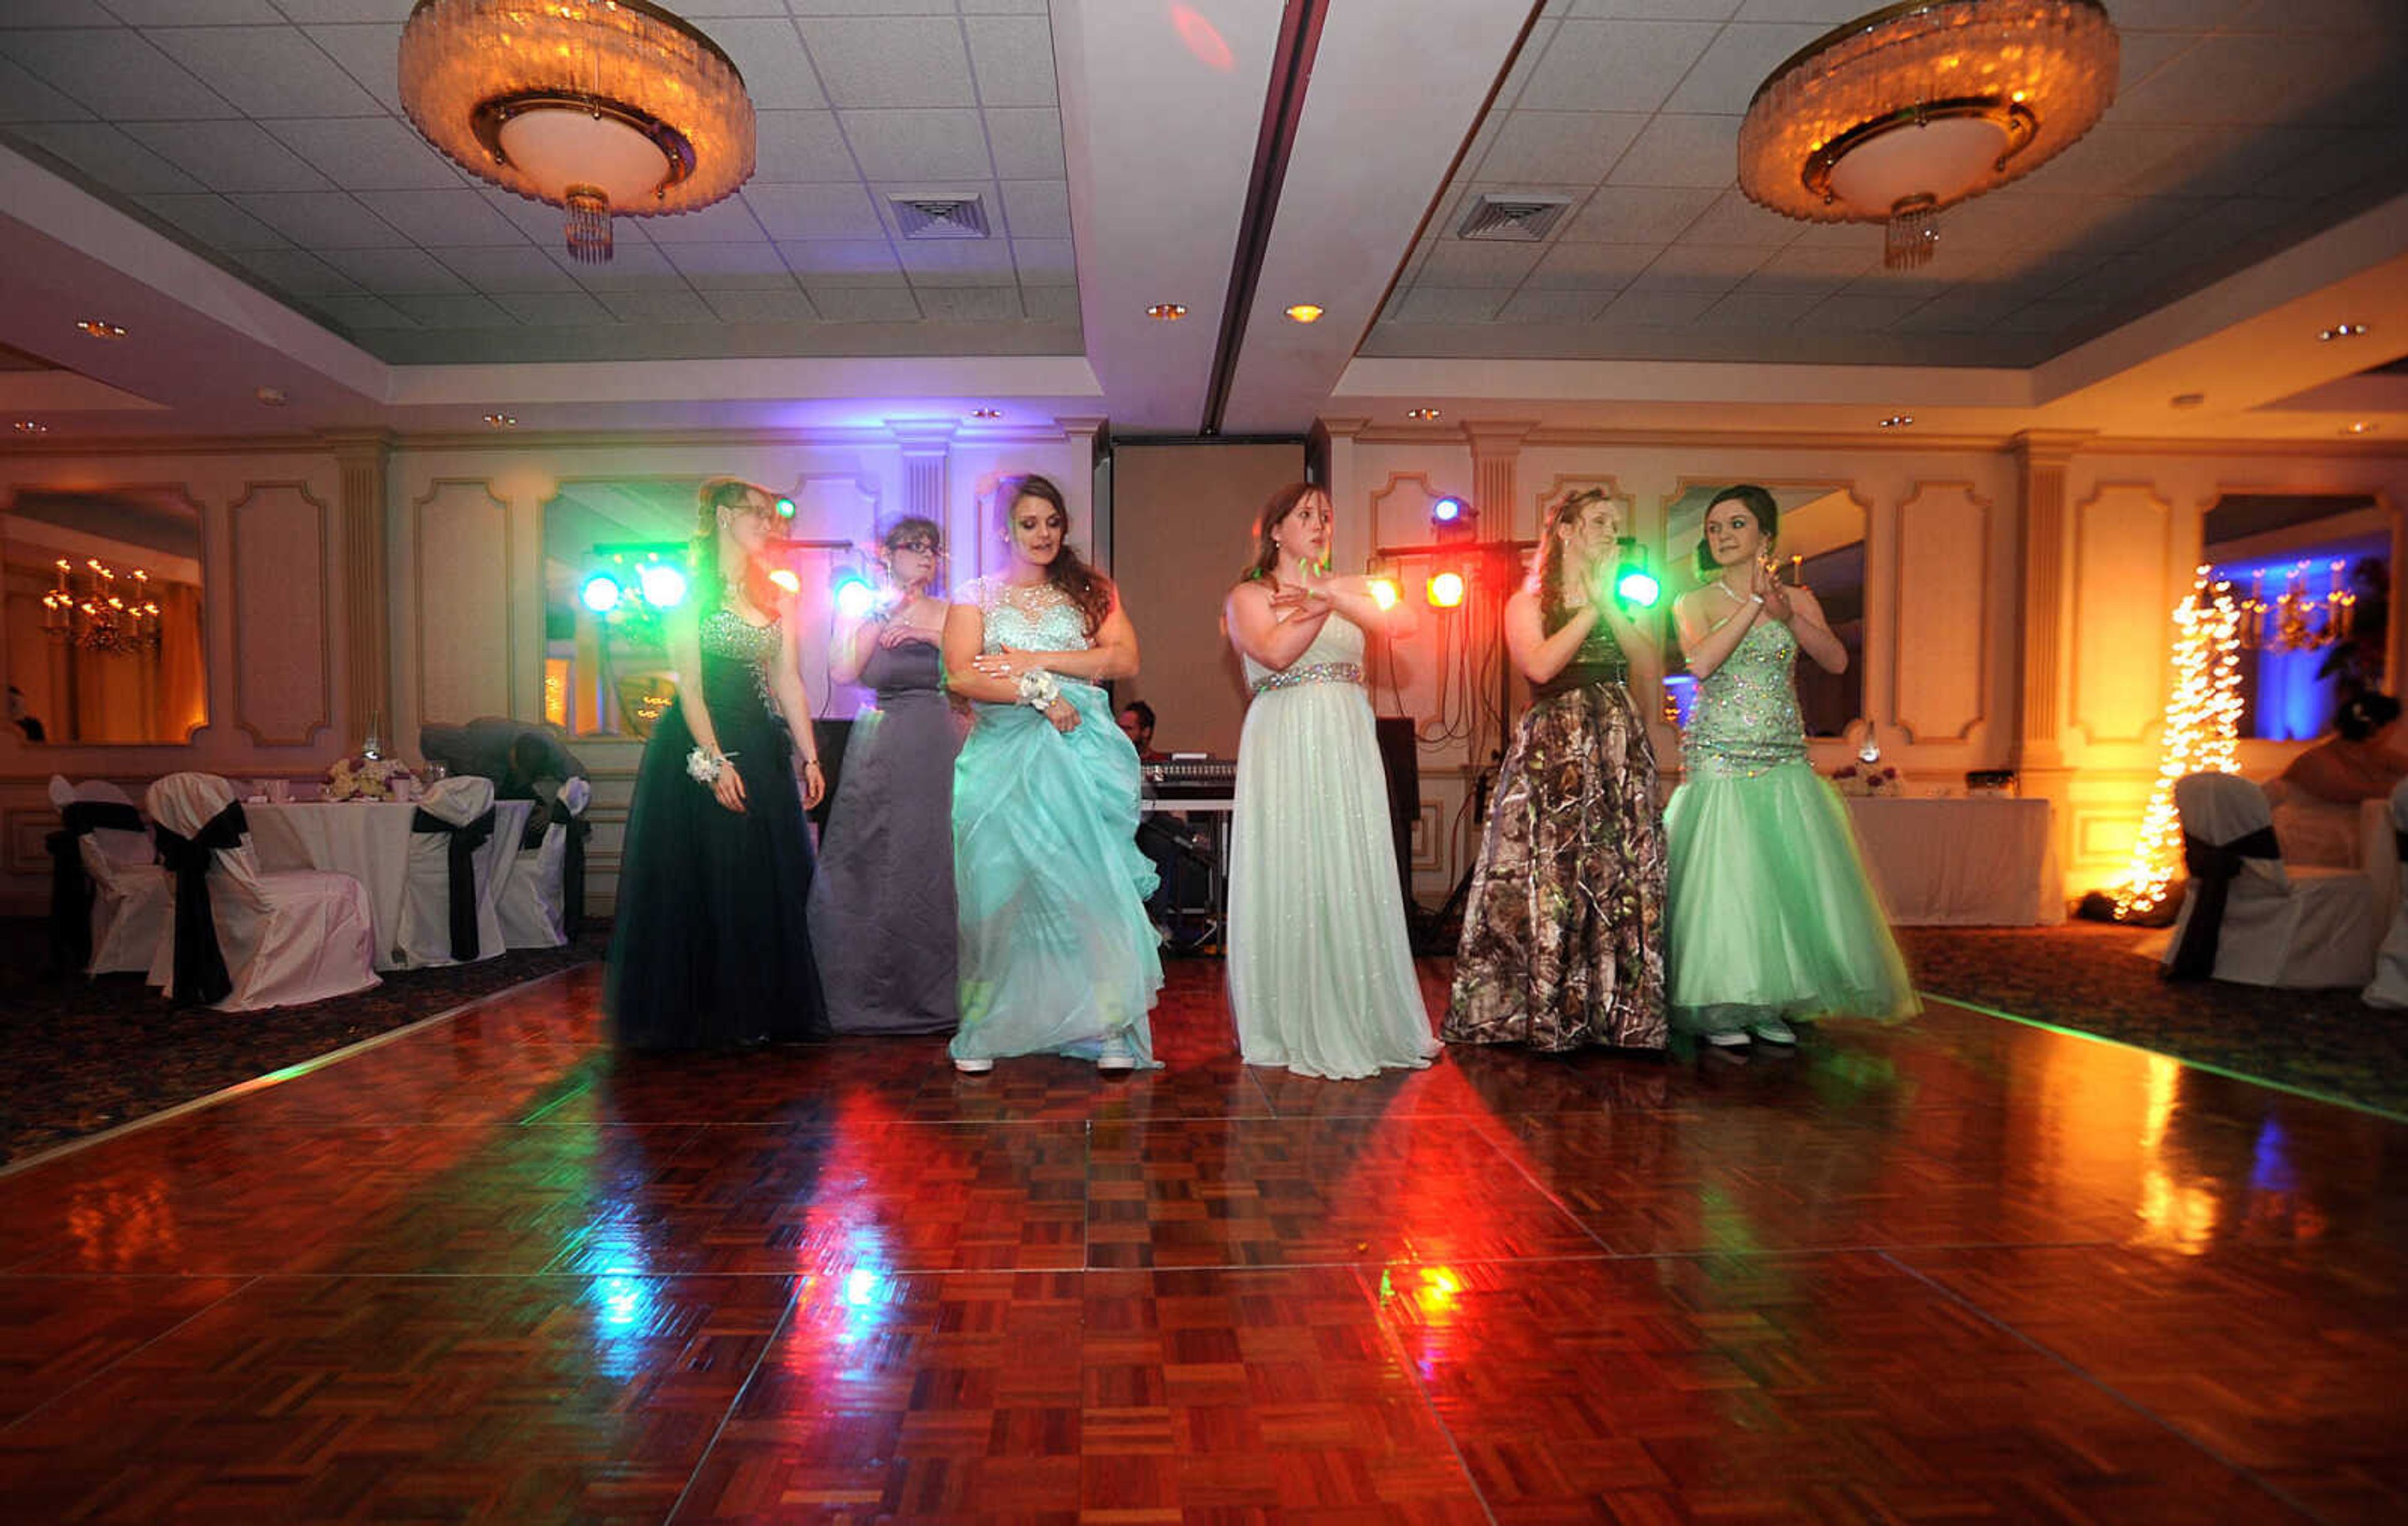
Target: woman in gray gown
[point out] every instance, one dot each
(886, 858)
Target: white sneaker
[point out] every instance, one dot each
(972, 1067)
(1726, 1041)
(1115, 1057)
(1774, 1030)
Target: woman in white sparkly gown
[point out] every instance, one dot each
(1320, 966)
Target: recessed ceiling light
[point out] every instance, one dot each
(273, 396)
(2357, 426)
(101, 328)
(2341, 330)
(986, 413)
(1421, 413)
(1898, 421)
(501, 420)
(1170, 312)
(2187, 400)
(1305, 313)
(32, 426)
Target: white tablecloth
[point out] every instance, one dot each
(1983, 861)
(369, 841)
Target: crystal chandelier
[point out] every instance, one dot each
(599, 107)
(1917, 107)
(99, 618)
(2298, 619)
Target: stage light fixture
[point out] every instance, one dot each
(1383, 592)
(854, 597)
(601, 593)
(1445, 591)
(663, 584)
(786, 509)
(783, 578)
(1633, 584)
(1452, 519)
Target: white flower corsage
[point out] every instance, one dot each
(703, 766)
(1038, 689)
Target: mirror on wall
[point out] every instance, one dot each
(1821, 544)
(2313, 575)
(103, 606)
(614, 570)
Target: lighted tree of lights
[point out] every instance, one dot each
(2203, 736)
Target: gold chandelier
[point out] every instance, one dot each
(2298, 619)
(599, 107)
(1917, 107)
(100, 618)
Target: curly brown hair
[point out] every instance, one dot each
(1087, 588)
(1547, 568)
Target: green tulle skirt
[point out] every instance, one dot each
(1772, 914)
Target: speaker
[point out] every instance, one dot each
(1400, 760)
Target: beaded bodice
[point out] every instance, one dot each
(729, 635)
(1746, 718)
(1033, 619)
(1598, 659)
(1338, 642)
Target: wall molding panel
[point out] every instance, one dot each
(276, 593)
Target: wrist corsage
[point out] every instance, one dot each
(703, 765)
(1038, 689)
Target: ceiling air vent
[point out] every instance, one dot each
(1525, 219)
(939, 217)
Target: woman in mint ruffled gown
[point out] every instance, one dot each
(1320, 968)
(1773, 916)
(1056, 955)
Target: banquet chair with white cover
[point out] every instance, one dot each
(2247, 916)
(243, 939)
(545, 895)
(448, 905)
(2389, 987)
(110, 901)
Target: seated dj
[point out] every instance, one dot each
(1137, 720)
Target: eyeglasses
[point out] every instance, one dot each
(925, 548)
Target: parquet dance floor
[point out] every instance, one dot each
(1961, 1270)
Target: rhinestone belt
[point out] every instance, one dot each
(1310, 673)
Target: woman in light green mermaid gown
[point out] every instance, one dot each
(1772, 916)
(1320, 965)
(1056, 955)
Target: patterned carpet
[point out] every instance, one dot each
(2087, 976)
(79, 1056)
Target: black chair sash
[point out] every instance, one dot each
(2213, 868)
(201, 976)
(572, 865)
(71, 888)
(466, 839)
(2400, 844)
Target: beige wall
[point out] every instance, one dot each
(1180, 519)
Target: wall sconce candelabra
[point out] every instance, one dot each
(99, 617)
(2298, 619)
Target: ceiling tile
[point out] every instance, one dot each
(2054, 318)
(116, 74)
(268, 71)
(801, 146)
(1440, 304)
(1045, 261)
(1703, 267)
(367, 153)
(1038, 208)
(1644, 308)
(1049, 303)
(1467, 263)
(155, 13)
(957, 262)
(1558, 148)
(924, 146)
(298, 271)
(657, 307)
(1547, 307)
(2177, 15)
(864, 303)
(25, 98)
(391, 12)
(1618, 214)
(890, 61)
(970, 304)
(815, 212)
(366, 54)
(784, 304)
(459, 311)
(729, 222)
(777, 71)
(826, 264)
(1822, 13)
(215, 221)
(1726, 79)
(1817, 271)
(2141, 54)
(106, 154)
(878, 8)
(1965, 312)
(1865, 313)
(1682, 151)
(322, 219)
(553, 309)
(522, 269)
(2117, 158)
(1027, 145)
(630, 269)
(1011, 58)
(363, 313)
(387, 271)
(731, 267)
(1614, 65)
(458, 217)
(1672, 10)
(1755, 310)
(1592, 266)
(2344, 160)
(545, 225)
(1737, 221)
(43, 13)
(228, 156)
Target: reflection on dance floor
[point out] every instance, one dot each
(494, 1271)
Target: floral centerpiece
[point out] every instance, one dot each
(362, 777)
(1868, 779)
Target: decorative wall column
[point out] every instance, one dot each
(928, 448)
(367, 588)
(1495, 448)
(2041, 457)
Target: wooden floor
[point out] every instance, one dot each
(1965, 1270)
